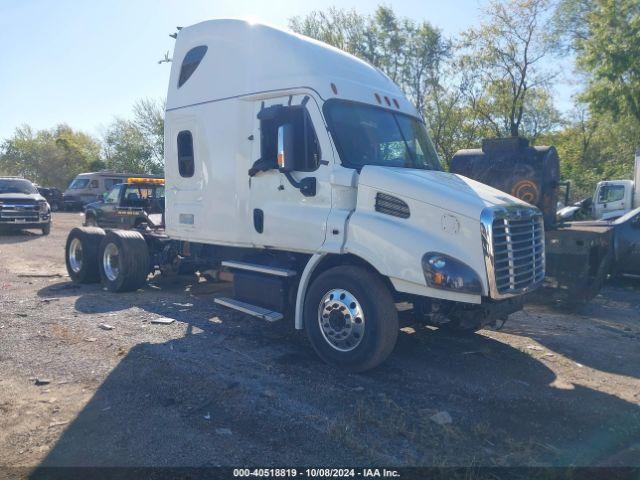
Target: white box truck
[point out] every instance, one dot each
(307, 176)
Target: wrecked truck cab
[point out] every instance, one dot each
(306, 176)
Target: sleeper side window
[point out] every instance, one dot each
(186, 164)
(306, 144)
(191, 61)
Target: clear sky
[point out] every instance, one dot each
(84, 62)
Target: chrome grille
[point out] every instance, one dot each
(514, 250)
(19, 212)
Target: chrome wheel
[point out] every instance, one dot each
(75, 255)
(341, 320)
(111, 262)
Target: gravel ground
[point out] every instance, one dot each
(217, 388)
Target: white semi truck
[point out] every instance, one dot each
(307, 176)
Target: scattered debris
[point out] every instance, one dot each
(535, 347)
(224, 431)
(207, 416)
(57, 424)
(22, 314)
(163, 320)
(441, 418)
(106, 326)
(549, 355)
(49, 300)
(39, 275)
(91, 339)
(269, 393)
(42, 381)
(579, 365)
(358, 389)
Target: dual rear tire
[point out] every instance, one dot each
(118, 259)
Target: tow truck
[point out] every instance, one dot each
(137, 202)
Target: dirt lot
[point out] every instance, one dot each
(214, 388)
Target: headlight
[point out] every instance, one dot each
(446, 273)
(43, 206)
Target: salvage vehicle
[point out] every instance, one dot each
(579, 255)
(306, 175)
(613, 198)
(22, 207)
(89, 187)
(135, 202)
(53, 196)
(625, 242)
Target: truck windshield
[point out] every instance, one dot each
(79, 183)
(17, 186)
(367, 135)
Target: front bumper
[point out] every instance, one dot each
(487, 313)
(42, 220)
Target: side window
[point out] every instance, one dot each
(186, 165)
(110, 182)
(611, 193)
(113, 195)
(191, 61)
(94, 184)
(306, 144)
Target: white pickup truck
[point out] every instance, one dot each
(305, 174)
(613, 198)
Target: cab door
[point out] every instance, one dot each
(106, 213)
(613, 199)
(282, 213)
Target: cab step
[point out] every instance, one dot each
(255, 267)
(263, 313)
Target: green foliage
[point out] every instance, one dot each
(49, 157)
(507, 56)
(54, 157)
(610, 54)
(137, 145)
(460, 105)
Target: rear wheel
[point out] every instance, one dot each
(124, 261)
(90, 221)
(350, 318)
(81, 254)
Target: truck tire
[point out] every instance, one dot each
(123, 261)
(350, 318)
(46, 230)
(81, 254)
(90, 220)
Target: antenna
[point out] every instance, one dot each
(166, 59)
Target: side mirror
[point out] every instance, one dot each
(285, 148)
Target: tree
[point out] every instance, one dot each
(137, 145)
(609, 51)
(413, 54)
(507, 51)
(49, 157)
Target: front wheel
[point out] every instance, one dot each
(350, 318)
(46, 230)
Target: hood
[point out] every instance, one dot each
(21, 196)
(444, 190)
